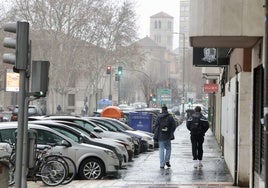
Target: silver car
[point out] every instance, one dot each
(92, 127)
(92, 162)
(82, 137)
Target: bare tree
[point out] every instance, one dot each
(78, 37)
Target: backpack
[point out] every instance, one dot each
(196, 127)
(163, 123)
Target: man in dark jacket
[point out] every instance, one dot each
(198, 125)
(164, 133)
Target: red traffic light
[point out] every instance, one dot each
(108, 69)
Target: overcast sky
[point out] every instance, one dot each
(147, 8)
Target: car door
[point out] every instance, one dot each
(46, 137)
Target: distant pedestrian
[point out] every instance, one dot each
(164, 133)
(58, 109)
(198, 125)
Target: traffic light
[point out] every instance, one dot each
(190, 101)
(151, 97)
(120, 69)
(21, 44)
(117, 77)
(108, 69)
(40, 72)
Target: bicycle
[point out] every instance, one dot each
(67, 161)
(51, 171)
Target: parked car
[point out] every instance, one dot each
(100, 132)
(92, 162)
(33, 110)
(106, 125)
(147, 142)
(93, 135)
(80, 137)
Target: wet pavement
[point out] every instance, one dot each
(145, 172)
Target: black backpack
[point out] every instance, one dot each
(163, 122)
(196, 127)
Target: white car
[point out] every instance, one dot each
(92, 162)
(92, 127)
(83, 137)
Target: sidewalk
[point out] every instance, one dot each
(144, 171)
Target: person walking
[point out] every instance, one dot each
(198, 125)
(164, 133)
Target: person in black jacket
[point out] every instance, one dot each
(198, 125)
(164, 133)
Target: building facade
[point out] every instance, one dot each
(237, 108)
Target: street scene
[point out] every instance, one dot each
(93, 92)
(144, 171)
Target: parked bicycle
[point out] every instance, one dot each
(52, 170)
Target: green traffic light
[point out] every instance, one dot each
(120, 70)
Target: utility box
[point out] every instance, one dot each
(140, 121)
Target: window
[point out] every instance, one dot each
(46, 137)
(71, 99)
(169, 25)
(155, 24)
(67, 133)
(159, 24)
(7, 135)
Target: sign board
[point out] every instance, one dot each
(141, 121)
(164, 97)
(211, 88)
(208, 57)
(12, 81)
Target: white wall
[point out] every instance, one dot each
(227, 126)
(244, 119)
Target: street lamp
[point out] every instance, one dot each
(183, 72)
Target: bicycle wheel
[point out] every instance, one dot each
(70, 166)
(53, 172)
(72, 170)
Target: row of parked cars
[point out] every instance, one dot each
(99, 146)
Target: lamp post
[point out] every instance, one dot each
(183, 72)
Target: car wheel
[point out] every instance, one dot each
(91, 168)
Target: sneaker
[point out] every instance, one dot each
(200, 164)
(196, 164)
(162, 167)
(168, 164)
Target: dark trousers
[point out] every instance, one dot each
(197, 146)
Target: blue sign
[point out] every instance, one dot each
(140, 121)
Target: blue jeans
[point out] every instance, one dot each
(164, 151)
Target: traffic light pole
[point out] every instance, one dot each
(265, 110)
(119, 90)
(20, 134)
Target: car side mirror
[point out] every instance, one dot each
(65, 143)
(97, 129)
